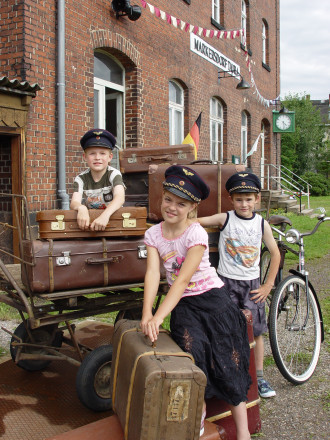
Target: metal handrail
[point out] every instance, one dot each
(281, 179)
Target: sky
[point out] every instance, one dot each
(305, 47)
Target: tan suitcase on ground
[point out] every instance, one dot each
(157, 393)
(59, 224)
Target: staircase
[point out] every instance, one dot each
(287, 184)
(277, 199)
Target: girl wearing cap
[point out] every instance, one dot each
(204, 320)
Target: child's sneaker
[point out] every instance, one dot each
(265, 390)
(201, 432)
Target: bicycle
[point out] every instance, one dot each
(295, 317)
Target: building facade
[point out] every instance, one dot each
(146, 80)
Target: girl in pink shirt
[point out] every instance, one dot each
(204, 320)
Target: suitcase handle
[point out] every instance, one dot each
(115, 259)
(157, 158)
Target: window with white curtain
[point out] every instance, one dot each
(263, 36)
(176, 113)
(244, 137)
(216, 10)
(216, 130)
(243, 21)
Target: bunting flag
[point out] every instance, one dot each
(254, 147)
(193, 135)
(187, 27)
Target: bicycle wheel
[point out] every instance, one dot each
(295, 330)
(264, 264)
(264, 269)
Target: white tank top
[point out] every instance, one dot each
(239, 247)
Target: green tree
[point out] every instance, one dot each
(303, 150)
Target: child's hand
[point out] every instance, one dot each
(151, 328)
(261, 293)
(100, 222)
(83, 217)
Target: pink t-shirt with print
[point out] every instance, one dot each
(173, 253)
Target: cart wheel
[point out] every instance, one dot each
(93, 379)
(43, 336)
(133, 314)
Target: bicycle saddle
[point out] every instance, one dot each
(278, 220)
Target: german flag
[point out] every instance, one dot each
(193, 135)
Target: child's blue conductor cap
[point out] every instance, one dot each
(186, 183)
(243, 182)
(97, 137)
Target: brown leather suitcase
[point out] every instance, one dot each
(74, 264)
(60, 224)
(157, 393)
(134, 160)
(218, 411)
(214, 174)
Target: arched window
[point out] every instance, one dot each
(176, 113)
(244, 137)
(109, 79)
(216, 130)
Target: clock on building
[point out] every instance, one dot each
(283, 122)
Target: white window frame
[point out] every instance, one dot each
(243, 21)
(262, 157)
(216, 10)
(244, 138)
(100, 85)
(176, 133)
(217, 121)
(264, 43)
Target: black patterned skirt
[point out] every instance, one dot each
(214, 330)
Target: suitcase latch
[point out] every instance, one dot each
(132, 159)
(182, 155)
(128, 222)
(142, 251)
(64, 260)
(59, 225)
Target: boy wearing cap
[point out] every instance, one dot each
(101, 186)
(241, 234)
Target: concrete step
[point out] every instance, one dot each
(285, 203)
(295, 208)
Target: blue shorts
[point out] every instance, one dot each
(239, 291)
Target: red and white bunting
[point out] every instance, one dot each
(187, 27)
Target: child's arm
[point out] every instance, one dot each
(151, 284)
(189, 267)
(118, 200)
(263, 291)
(213, 220)
(82, 211)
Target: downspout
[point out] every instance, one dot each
(62, 194)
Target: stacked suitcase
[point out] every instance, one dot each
(66, 257)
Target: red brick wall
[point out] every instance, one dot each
(152, 52)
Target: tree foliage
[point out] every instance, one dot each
(304, 150)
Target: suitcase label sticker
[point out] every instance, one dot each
(177, 410)
(128, 222)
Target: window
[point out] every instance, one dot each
(216, 10)
(216, 130)
(244, 137)
(176, 113)
(243, 22)
(109, 97)
(265, 45)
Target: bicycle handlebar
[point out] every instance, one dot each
(323, 219)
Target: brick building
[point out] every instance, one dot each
(79, 65)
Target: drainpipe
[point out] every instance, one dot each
(62, 194)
